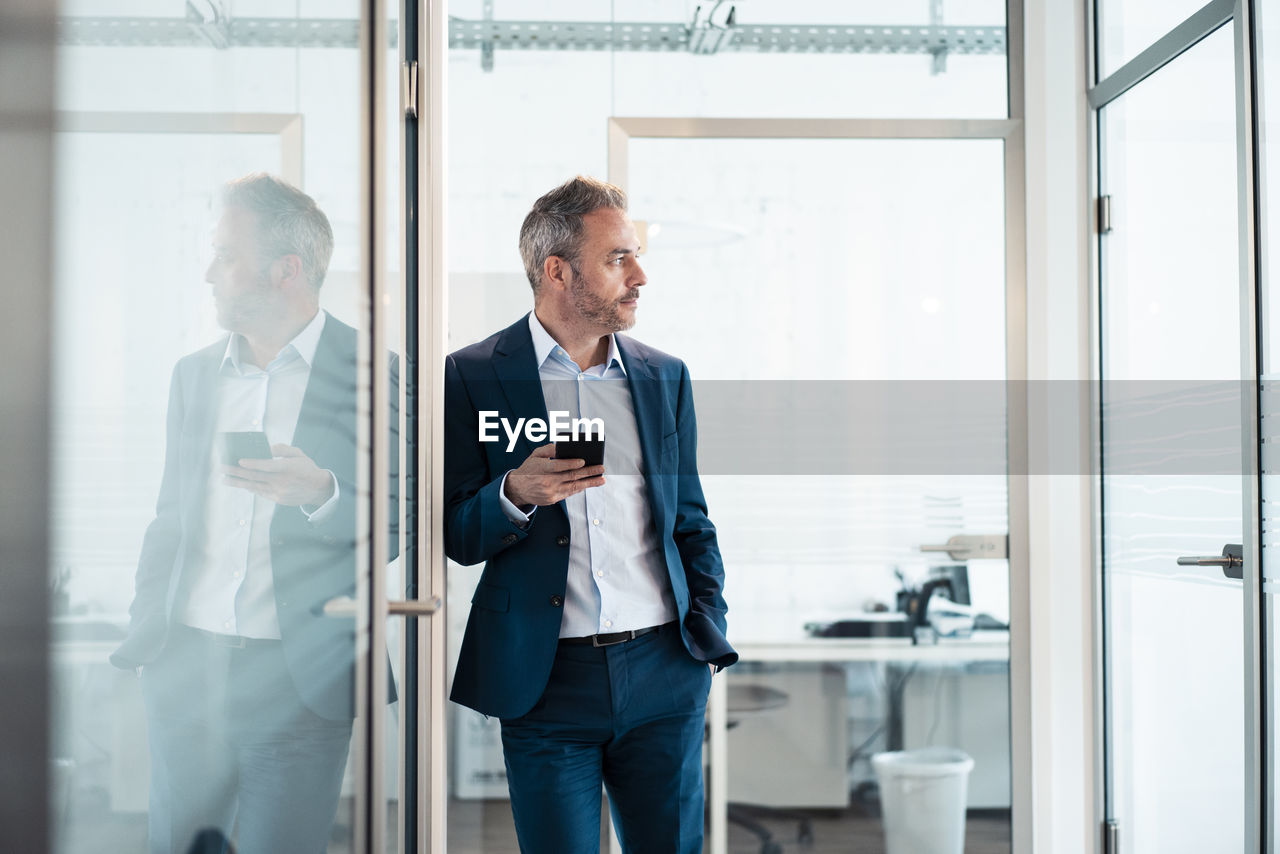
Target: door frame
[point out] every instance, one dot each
(621, 130)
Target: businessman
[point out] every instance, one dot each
(599, 616)
(247, 686)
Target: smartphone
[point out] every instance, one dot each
(590, 450)
(246, 445)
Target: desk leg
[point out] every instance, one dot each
(895, 678)
(717, 748)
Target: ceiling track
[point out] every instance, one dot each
(487, 35)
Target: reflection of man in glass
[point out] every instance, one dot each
(248, 689)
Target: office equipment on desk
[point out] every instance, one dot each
(940, 603)
(870, 625)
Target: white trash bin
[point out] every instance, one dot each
(922, 799)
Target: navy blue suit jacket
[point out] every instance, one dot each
(511, 635)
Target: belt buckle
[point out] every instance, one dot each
(595, 639)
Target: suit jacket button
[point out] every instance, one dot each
(562, 540)
(557, 601)
(509, 539)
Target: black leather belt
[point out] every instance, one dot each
(609, 639)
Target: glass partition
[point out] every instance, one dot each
(869, 273)
(210, 429)
(794, 274)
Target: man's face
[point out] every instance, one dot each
(242, 288)
(606, 289)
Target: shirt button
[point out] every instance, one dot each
(242, 523)
(227, 624)
(581, 377)
(593, 522)
(256, 422)
(235, 574)
(599, 573)
(608, 624)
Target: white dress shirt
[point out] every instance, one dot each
(231, 591)
(617, 574)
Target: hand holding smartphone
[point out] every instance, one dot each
(244, 445)
(590, 450)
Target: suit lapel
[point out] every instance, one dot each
(330, 388)
(516, 366)
(202, 415)
(646, 397)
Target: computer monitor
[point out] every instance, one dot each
(959, 575)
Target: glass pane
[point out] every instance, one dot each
(1128, 27)
(808, 255)
(760, 242)
(1171, 456)
(208, 422)
(781, 247)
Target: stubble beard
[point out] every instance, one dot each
(247, 308)
(599, 311)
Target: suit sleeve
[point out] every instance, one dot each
(160, 545)
(475, 526)
(695, 536)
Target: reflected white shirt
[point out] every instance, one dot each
(231, 590)
(617, 574)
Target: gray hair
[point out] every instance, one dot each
(289, 222)
(554, 225)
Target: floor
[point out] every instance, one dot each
(484, 827)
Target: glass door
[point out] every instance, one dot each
(1175, 470)
(236, 437)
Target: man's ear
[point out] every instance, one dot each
(290, 267)
(555, 272)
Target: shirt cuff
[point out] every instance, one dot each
(512, 512)
(325, 510)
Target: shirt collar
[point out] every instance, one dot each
(305, 344)
(544, 346)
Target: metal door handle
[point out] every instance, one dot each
(974, 546)
(345, 606)
(1231, 560)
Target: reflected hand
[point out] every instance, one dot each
(542, 480)
(290, 478)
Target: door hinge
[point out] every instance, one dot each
(409, 89)
(1110, 837)
(1104, 214)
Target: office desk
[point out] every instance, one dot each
(771, 641)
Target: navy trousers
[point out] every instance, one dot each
(234, 751)
(629, 716)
